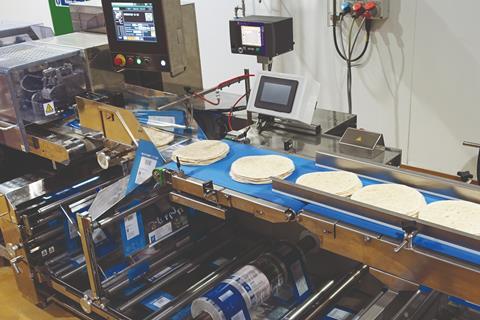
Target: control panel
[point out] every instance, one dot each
(140, 62)
(374, 10)
(146, 35)
(262, 36)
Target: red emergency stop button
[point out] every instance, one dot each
(119, 60)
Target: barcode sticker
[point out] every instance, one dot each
(131, 226)
(160, 302)
(145, 169)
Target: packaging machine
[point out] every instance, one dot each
(190, 242)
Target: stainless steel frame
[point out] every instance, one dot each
(398, 260)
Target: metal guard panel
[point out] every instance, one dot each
(441, 186)
(396, 233)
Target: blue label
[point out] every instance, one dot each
(133, 234)
(147, 158)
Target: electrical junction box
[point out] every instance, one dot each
(382, 7)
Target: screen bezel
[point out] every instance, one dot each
(288, 108)
(159, 47)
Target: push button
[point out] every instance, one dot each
(119, 60)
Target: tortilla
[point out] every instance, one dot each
(201, 153)
(341, 183)
(158, 137)
(261, 169)
(394, 197)
(456, 214)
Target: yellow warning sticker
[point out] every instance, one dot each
(49, 108)
(359, 139)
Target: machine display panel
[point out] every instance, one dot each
(276, 94)
(251, 36)
(134, 22)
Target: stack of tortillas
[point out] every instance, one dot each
(341, 183)
(201, 153)
(158, 137)
(455, 214)
(261, 169)
(394, 197)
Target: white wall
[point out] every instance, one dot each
(419, 84)
(31, 11)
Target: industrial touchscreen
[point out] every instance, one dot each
(146, 35)
(285, 96)
(276, 94)
(134, 21)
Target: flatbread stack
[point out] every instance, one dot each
(261, 169)
(201, 153)
(158, 137)
(394, 197)
(455, 214)
(341, 183)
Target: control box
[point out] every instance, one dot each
(146, 35)
(376, 9)
(262, 36)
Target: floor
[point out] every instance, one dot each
(14, 307)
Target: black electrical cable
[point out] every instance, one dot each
(347, 56)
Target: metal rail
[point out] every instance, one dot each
(326, 294)
(171, 277)
(378, 214)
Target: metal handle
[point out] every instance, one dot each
(407, 242)
(14, 262)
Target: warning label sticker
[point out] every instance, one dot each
(49, 108)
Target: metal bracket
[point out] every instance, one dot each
(290, 215)
(209, 191)
(407, 241)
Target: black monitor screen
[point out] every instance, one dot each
(134, 22)
(276, 94)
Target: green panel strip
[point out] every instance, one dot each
(62, 22)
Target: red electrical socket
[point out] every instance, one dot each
(370, 6)
(358, 8)
(371, 10)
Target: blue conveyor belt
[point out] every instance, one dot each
(219, 174)
(219, 171)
